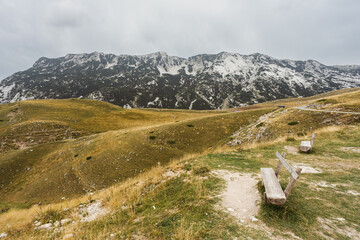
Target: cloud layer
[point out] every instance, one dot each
(325, 30)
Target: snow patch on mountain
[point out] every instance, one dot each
(191, 104)
(203, 81)
(97, 95)
(5, 91)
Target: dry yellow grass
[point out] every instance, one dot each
(94, 162)
(90, 115)
(292, 102)
(125, 194)
(114, 143)
(282, 139)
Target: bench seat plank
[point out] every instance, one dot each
(274, 192)
(305, 146)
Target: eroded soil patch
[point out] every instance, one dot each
(241, 197)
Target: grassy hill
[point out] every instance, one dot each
(31, 122)
(65, 167)
(153, 172)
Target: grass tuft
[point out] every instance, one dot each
(201, 170)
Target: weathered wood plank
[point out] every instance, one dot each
(291, 183)
(278, 169)
(305, 146)
(279, 166)
(274, 192)
(287, 166)
(312, 139)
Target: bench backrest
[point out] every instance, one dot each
(294, 174)
(312, 139)
(287, 166)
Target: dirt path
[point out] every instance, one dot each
(241, 197)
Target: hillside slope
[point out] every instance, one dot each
(40, 170)
(164, 183)
(28, 123)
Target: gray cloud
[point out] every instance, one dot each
(324, 30)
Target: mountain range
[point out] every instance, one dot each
(157, 80)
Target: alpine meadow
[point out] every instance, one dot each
(179, 120)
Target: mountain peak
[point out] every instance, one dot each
(156, 55)
(40, 61)
(206, 81)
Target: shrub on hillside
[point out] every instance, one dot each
(53, 215)
(201, 171)
(187, 167)
(260, 124)
(324, 100)
(293, 123)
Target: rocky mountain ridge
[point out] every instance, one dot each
(206, 81)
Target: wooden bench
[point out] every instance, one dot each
(273, 191)
(306, 146)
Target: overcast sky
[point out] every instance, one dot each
(324, 30)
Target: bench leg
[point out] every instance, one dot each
(265, 198)
(291, 184)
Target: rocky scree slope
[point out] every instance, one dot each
(207, 81)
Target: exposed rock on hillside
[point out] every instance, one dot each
(207, 81)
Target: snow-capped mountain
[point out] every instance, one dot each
(207, 81)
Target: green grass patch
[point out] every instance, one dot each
(296, 215)
(203, 170)
(327, 100)
(4, 207)
(171, 142)
(241, 161)
(260, 125)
